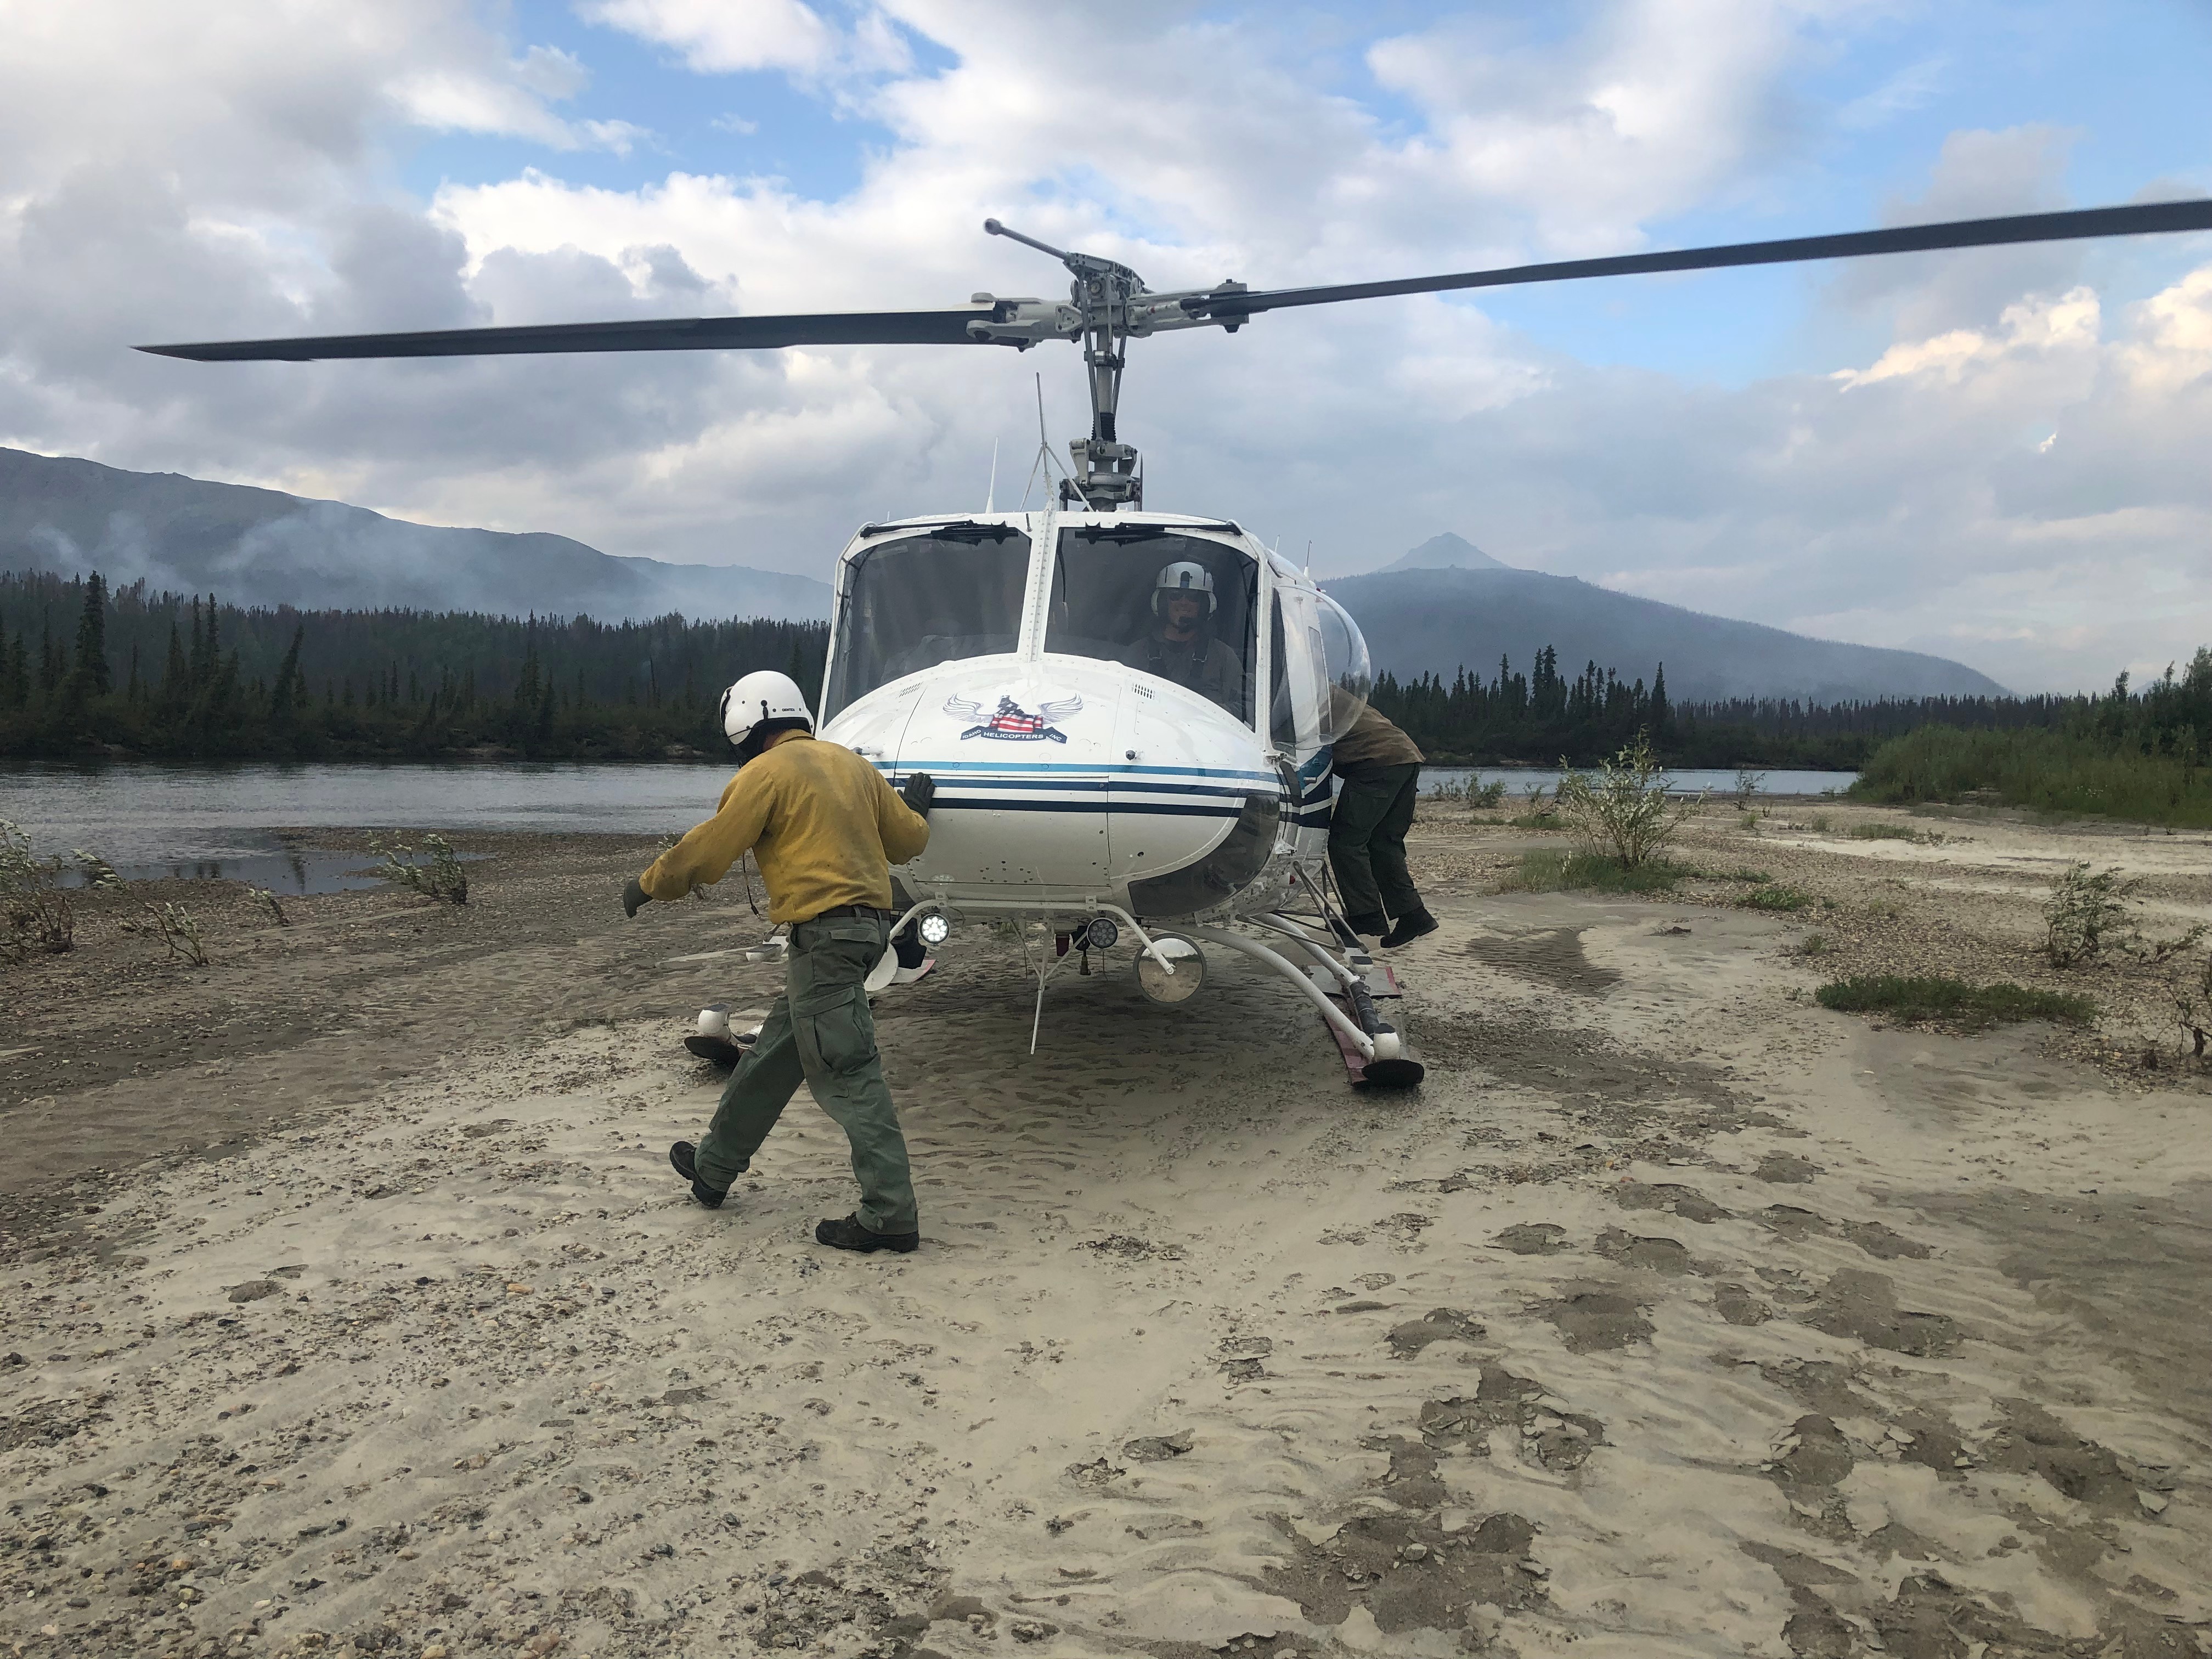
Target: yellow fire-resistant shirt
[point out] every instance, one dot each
(823, 824)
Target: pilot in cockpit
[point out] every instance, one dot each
(1180, 645)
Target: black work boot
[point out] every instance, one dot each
(1410, 927)
(1375, 924)
(850, 1235)
(682, 1157)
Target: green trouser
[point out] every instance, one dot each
(1367, 842)
(820, 1030)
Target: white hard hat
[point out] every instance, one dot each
(764, 695)
(1184, 576)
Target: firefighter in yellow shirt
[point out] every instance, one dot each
(825, 828)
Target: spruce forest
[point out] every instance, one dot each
(86, 673)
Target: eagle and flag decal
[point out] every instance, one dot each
(1014, 724)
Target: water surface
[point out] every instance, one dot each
(216, 821)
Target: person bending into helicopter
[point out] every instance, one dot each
(1180, 645)
(825, 828)
(1380, 770)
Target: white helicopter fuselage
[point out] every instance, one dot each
(1068, 783)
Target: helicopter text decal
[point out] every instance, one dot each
(1013, 721)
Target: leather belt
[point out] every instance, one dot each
(866, 912)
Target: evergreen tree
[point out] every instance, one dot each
(290, 683)
(91, 678)
(177, 675)
(200, 665)
(16, 675)
(54, 663)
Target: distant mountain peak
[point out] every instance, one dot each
(1448, 552)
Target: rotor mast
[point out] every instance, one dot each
(1106, 472)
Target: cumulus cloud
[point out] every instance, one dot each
(2001, 477)
(720, 37)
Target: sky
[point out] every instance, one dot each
(1998, 456)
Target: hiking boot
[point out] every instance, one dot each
(1409, 928)
(850, 1235)
(1375, 924)
(724, 1052)
(682, 1157)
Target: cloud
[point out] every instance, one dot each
(722, 37)
(2008, 465)
(1914, 86)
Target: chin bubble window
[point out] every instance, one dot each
(1180, 607)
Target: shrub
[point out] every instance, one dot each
(176, 927)
(1746, 785)
(1622, 809)
(2048, 771)
(1776, 897)
(34, 905)
(441, 878)
(1953, 1002)
(1478, 797)
(1884, 832)
(2084, 913)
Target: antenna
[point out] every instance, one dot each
(1046, 459)
(991, 495)
(1309, 570)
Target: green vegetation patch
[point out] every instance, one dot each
(1776, 896)
(1951, 1002)
(2151, 777)
(1579, 871)
(1884, 832)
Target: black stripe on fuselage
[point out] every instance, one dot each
(1157, 808)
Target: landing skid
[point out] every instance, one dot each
(1346, 986)
(1403, 1071)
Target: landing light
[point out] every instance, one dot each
(935, 928)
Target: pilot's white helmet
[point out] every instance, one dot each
(1184, 576)
(764, 695)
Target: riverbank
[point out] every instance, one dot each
(1674, 1314)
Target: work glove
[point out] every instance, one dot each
(635, 896)
(921, 789)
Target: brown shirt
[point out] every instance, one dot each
(1373, 743)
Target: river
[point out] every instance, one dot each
(216, 822)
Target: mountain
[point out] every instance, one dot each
(261, 547)
(1426, 620)
(1447, 552)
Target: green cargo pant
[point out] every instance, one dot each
(1367, 842)
(820, 1030)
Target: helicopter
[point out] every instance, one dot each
(1005, 653)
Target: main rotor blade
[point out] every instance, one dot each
(670, 334)
(2146, 219)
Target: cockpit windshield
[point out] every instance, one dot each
(1179, 606)
(948, 592)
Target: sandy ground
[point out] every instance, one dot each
(351, 1307)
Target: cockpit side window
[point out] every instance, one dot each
(1183, 608)
(934, 597)
(1285, 714)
